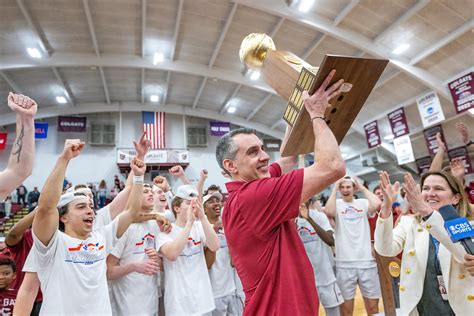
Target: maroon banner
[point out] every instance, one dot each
(372, 134)
(430, 137)
(462, 91)
(3, 140)
(423, 164)
(461, 152)
(72, 124)
(398, 123)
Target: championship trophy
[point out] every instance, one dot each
(289, 76)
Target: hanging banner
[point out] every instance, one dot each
(72, 124)
(41, 130)
(219, 128)
(3, 140)
(430, 137)
(423, 164)
(462, 91)
(398, 123)
(430, 109)
(154, 156)
(461, 152)
(403, 149)
(272, 144)
(372, 134)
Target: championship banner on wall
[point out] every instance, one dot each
(398, 122)
(372, 134)
(403, 150)
(423, 164)
(461, 152)
(218, 128)
(72, 124)
(3, 140)
(462, 91)
(430, 137)
(430, 109)
(41, 130)
(154, 156)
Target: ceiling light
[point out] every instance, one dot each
(60, 99)
(255, 75)
(154, 98)
(401, 48)
(231, 109)
(158, 58)
(305, 5)
(34, 52)
(389, 137)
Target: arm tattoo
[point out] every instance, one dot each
(19, 144)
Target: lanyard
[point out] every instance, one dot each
(437, 264)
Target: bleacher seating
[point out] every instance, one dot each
(17, 213)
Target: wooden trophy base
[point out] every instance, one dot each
(359, 74)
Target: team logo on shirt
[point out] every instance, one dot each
(222, 239)
(147, 241)
(306, 234)
(85, 253)
(193, 247)
(351, 213)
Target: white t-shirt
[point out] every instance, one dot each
(319, 253)
(352, 235)
(72, 272)
(188, 289)
(221, 272)
(169, 215)
(135, 293)
(102, 217)
(239, 289)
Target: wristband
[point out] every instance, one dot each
(138, 179)
(318, 117)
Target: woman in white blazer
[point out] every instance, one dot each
(429, 256)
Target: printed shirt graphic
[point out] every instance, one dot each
(319, 253)
(135, 293)
(7, 301)
(188, 288)
(80, 263)
(221, 272)
(352, 235)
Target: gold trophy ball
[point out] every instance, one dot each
(253, 49)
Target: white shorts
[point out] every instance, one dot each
(330, 295)
(226, 305)
(368, 280)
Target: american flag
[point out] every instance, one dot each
(154, 126)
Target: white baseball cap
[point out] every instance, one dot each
(217, 195)
(186, 192)
(79, 190)
(68, 197)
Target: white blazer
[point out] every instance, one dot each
(412, 238)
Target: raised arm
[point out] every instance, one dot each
(212, 241)
(178, 172)
(287, 163)
(171, 250)
(15, 234)
(46, 219)
(118, 203)
(374, 201)
(20, 163)
(200, 185)
(330, 207)
(437, 163)
(464, 135)
(328, 165)
(134, 203)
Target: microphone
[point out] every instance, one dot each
(458, 228)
